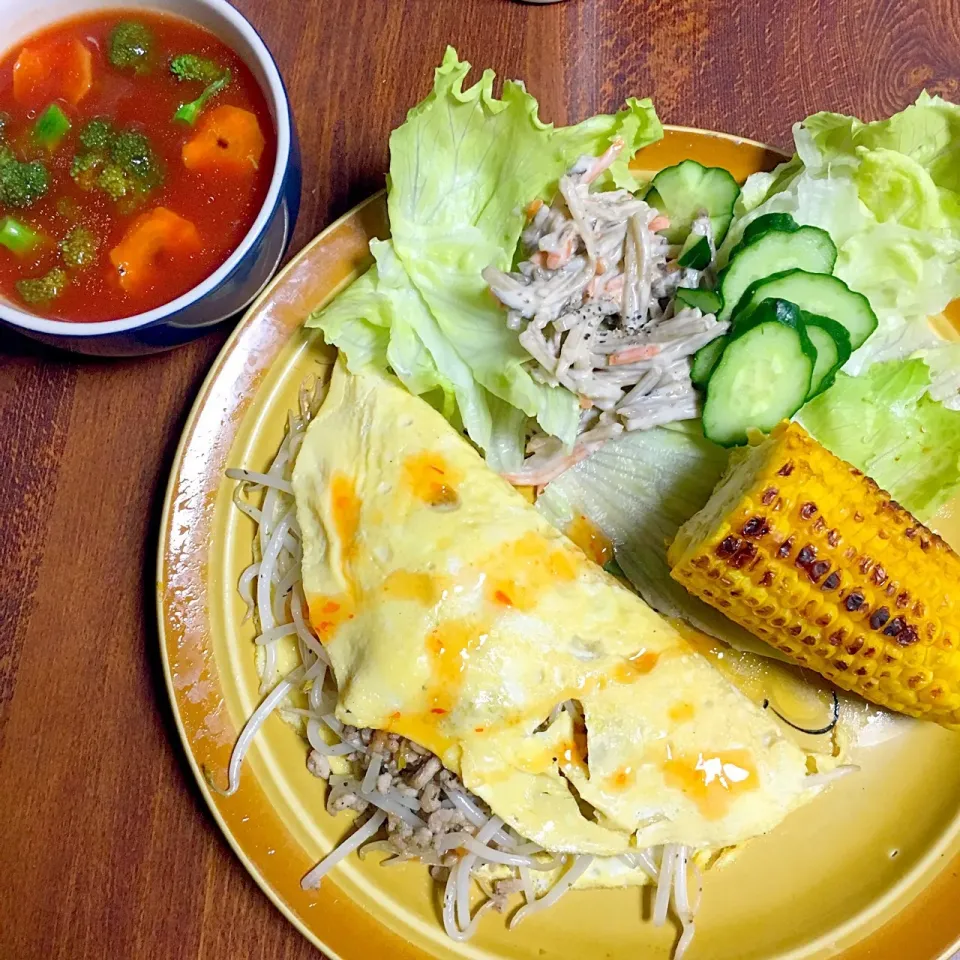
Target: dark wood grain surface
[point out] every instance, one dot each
(105, 847)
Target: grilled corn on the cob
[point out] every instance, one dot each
(813, 557)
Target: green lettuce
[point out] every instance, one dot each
(888, 192)
(943, 361)
(462, 169)
(885, 424)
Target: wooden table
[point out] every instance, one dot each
(106, 849)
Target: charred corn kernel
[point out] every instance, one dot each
(808, 554)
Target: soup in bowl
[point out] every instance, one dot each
(149, 175)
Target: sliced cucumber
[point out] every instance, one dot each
(695, 253)
(833, 350)
(684, 191)
(827, 355)
(706, 301)
(762, 377)
(806, 248)
(816, 293)
(755, 229)
(705, 359)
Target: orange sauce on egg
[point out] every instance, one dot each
(345, 510)
(422, 728)
(569, 754)
(712, 781)
(449, 646)
(621, 779)
(524, 569)
(590, 539)
(573, 753)
(423, 588)
(329, 612)
(636, 666)
(681, 712)
(431, 479)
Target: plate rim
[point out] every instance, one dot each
(250, 317)
(169, 497)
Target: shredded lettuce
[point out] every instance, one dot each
(462, 169)
(885, 424)
(888, 193)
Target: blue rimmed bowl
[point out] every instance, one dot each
(235, 284)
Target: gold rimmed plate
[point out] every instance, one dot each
(869, 870)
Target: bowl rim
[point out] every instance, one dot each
(277, 94)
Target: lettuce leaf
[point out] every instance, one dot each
(888, 192)
(943, 362)
(462, 169)
(885, 424)
(382, 321)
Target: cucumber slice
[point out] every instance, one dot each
(695, 253)
(833, 350)
(827, 354)
(684, 191)
(755, 229)
(705, 359)
(762, 377)
(706, 301)
(816, 293)
(806, 248)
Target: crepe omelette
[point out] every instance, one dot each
(456, 616)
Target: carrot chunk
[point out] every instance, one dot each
(51, 70)
(229, 139)
(153, 241)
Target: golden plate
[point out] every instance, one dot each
(871, 870)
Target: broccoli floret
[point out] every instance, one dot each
(21, 184)
(130, 45)
(131, 151)
(43, 289)
(85, 168)
(189, 112)
(97, 134)
(119, 163)
(79, 247)
(17, 237)
(114, 181)
(68, 208)
(192, 67)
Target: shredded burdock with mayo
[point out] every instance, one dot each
(594, 304)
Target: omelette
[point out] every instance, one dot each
(456, 616)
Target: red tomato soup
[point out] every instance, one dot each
(137, 152)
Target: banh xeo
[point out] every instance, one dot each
(485, 697)
(135, 152)
(423, 594)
